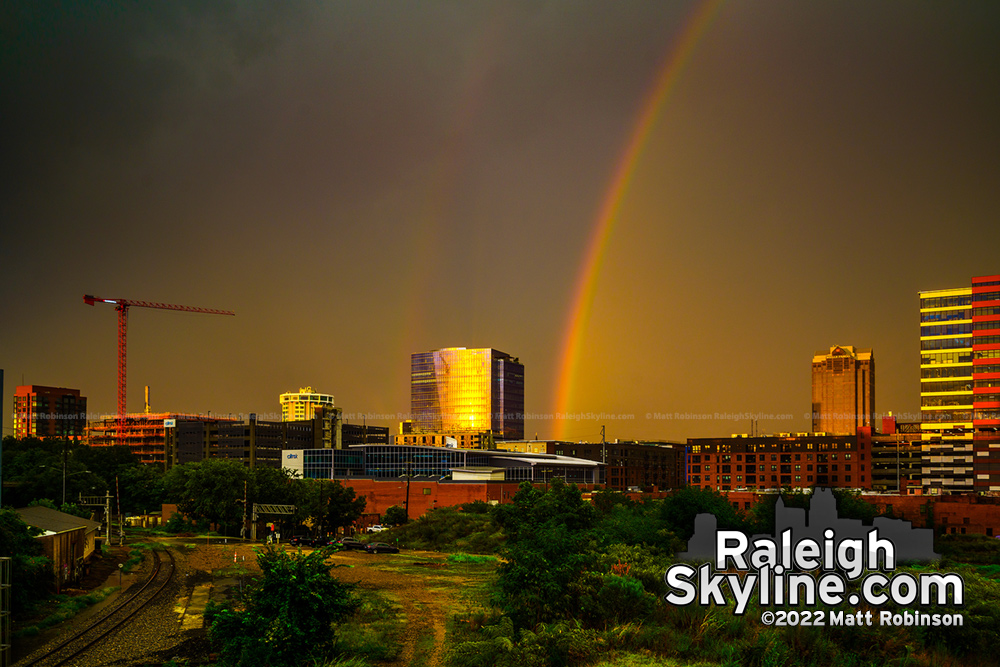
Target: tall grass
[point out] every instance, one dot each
(449, 529)
(66, 608)
(371, 634)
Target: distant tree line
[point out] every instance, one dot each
(212, 491)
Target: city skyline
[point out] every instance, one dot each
(662, 209)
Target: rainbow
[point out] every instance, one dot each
(579, 315)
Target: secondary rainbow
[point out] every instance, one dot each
(583, 297)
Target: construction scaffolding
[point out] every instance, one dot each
(144, 434)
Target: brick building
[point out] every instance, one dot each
(631, 465)
(800, 460)
(49, 412)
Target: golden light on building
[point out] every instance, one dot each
(459, 390)
(300, 405)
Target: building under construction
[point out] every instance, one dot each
(144, 434)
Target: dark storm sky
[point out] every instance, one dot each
(360, 181)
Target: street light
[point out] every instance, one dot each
(79, 472)
(64, 476)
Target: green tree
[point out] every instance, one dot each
(106, 462)
(31, 570)
(37, 467)
(310, 502)
(394, 516)
(211, 489)
(328, 504)
(550, 544)
(850, 505)
(33, 470)
(140, 488)
(274, 486)
(287, 617)
(66, 508)
(343, 506)
(638, 524)
(607, 499)
(678, 511)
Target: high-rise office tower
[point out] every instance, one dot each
(458, 390)
(986, 352)
(49, 412)
(946, 360)
(843, 390)
(296, 406)
(960, 386)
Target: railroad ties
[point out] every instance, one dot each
(115, 619)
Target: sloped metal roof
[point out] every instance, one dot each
(53, 521)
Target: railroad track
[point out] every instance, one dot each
(109, 622)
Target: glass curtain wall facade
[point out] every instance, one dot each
(391, 461)
(946, 359)
(986, 351)
(960, 386)
(458, 390)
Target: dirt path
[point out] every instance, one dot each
(410, 579)
(426, 608)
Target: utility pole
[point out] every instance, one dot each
(898, 490)
(65, 456)
(408, 474)
(121, 520)
(243, 529)
(604, 448)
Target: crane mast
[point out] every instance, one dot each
(122, 306)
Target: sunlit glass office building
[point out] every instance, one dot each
(459, 390)
(960, 386)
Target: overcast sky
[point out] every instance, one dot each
(360, 181)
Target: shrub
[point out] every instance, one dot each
(476, 507)
(286, 617)
(447, 529)
(175, 524)
(617, 600)
(395, 516)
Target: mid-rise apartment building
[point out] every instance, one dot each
(786, 460)
(49, 412)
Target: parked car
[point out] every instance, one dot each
(377, 528)
(301, 541)
(349, 543)
(381, 548)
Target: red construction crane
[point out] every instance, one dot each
(122, 306)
